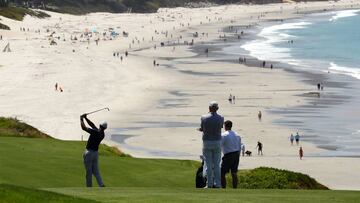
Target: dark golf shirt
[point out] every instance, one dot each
(96, 136)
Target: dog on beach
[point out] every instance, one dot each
(248, 153)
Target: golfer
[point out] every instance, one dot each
(211, 125)
(231, 146)
(91, 154)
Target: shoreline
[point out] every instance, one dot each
(337, 83)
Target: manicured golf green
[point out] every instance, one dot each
(138, 194)
(14, 194)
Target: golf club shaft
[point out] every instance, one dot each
(98, 110)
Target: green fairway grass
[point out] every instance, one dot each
(15, 194)
(44, 163)
(142, 195)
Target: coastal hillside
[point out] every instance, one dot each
(56, 166)
(117, 6)
(59, 164)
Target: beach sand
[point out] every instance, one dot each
(155, 110)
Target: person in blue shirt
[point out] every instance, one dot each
(211, 125)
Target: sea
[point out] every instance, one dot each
(326, 42)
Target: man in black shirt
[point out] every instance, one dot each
(91, 153)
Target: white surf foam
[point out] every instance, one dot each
(344, 14)
(354, 72)
(264, 48)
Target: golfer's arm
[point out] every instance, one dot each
(83, 126)
(91, 124)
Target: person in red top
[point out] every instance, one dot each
(301, 153)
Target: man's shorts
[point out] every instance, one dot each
(230, 161)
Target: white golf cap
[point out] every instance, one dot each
(214, 104)
(104, 125)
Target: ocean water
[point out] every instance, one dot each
(325, 41)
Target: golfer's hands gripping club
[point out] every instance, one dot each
(83, 116)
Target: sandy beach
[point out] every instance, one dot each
(155, 109)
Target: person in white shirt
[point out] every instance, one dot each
(231, 146)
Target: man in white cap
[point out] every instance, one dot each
(91, 154)
(211, 125)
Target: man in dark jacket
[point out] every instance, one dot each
(91, 154)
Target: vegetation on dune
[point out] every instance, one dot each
(4, 27)
(16, 194)
(11, 127)
(18, 13)
(139, 6)
(272, 178)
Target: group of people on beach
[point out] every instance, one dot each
(58, 88)
(297, 140)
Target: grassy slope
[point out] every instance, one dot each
(49, 163)
(11, 127)
(110, 195)
(52, 163)
(11, 194)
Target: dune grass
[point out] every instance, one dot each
(272, 178)
(14, 194)
(11, 127)
(4, 27)
(18, 13)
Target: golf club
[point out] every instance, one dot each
(98, 110)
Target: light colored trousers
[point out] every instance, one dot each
(91, 166)
(212, 154)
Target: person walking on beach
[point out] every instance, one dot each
(91, 154)
(259, 115)
(301, 153)
(260, 148)
(230, 98)
(231, 146)
(297, 138)
(211, 125)
(242, 149)
(292, 139)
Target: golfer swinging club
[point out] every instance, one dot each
(91, 153)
